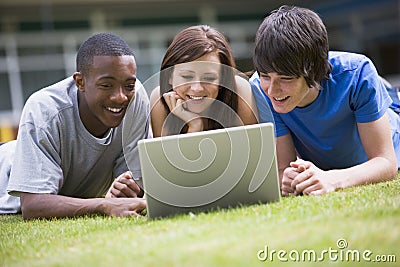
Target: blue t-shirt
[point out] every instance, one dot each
(325, 132)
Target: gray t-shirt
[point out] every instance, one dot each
(55, 154)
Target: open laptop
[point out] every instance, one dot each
(209, 170)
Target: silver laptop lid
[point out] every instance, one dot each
(209, 170)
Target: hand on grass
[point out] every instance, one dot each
(124, 186)
(289, 174)
(310, 180)
(123, 207)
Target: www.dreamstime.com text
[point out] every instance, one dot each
(339, 254)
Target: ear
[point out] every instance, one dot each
(79, 81)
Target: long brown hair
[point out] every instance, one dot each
(189, 45)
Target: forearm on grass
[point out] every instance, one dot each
(52, 206)
(375, 170)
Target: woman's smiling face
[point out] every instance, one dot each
(197, 82)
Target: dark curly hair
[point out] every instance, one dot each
(101, 44)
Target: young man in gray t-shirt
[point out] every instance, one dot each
(69, 147)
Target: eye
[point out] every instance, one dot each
(130, 87)
(264, 76)
(187, 77)
(287, 78)
(106, 85)
(209, 79)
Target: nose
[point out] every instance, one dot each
(273, 87)
(119, 95)
(196, 86)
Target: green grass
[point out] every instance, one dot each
(367, 217)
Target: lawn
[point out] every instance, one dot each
(356, 226)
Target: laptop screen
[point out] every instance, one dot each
(206, 170)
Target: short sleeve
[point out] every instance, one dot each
(36, 164)
(369, 98)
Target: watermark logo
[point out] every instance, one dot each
(340, 253)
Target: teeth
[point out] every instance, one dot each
(115, 110)
(280, 98)
(196, 97)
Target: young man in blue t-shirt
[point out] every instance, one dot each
(331, 109)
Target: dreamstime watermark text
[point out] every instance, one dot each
(340, 253)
